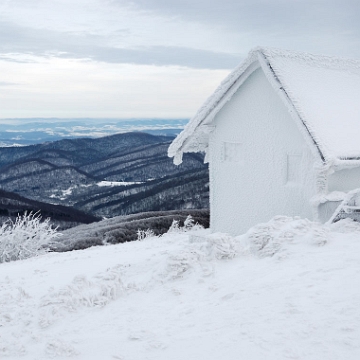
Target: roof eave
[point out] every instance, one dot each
(345, 163)
(204, 117)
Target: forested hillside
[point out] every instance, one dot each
(109, 176)
(12, 205)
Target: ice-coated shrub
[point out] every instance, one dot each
(189, 224)
(143, 234)
(174, 227)
(28, 236)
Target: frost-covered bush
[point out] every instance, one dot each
(175, 227)
(189, 224)
(28, 236)
(143, 234)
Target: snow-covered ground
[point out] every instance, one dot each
(63, 194)
(288, 289)
(117, 183)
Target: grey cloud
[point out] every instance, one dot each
(5, 84)
(167, 55)
(315, 25)
(262, 14)
(14, 38)
(312, 25)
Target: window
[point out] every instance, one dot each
(232, 152)
(293, 169)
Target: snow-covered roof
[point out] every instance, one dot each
(322, 94)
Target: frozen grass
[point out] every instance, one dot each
(133, 227)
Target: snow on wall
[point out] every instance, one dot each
(260, 165)
(344, 180)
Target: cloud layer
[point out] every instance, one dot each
(149, 57)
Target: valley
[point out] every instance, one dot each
(105, 177)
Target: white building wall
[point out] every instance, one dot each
(260, 165)
(344, 180)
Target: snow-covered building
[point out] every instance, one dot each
(282, 137)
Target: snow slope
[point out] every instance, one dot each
(288, 289)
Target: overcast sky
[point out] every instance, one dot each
(149, 58)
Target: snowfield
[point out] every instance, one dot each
(288, 289)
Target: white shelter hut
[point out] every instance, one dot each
(282, 137)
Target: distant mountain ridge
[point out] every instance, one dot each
(114, 175)
(80, 150)
(34, 131)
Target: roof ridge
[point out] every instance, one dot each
(316, 60)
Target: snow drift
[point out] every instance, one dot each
(286, 289)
